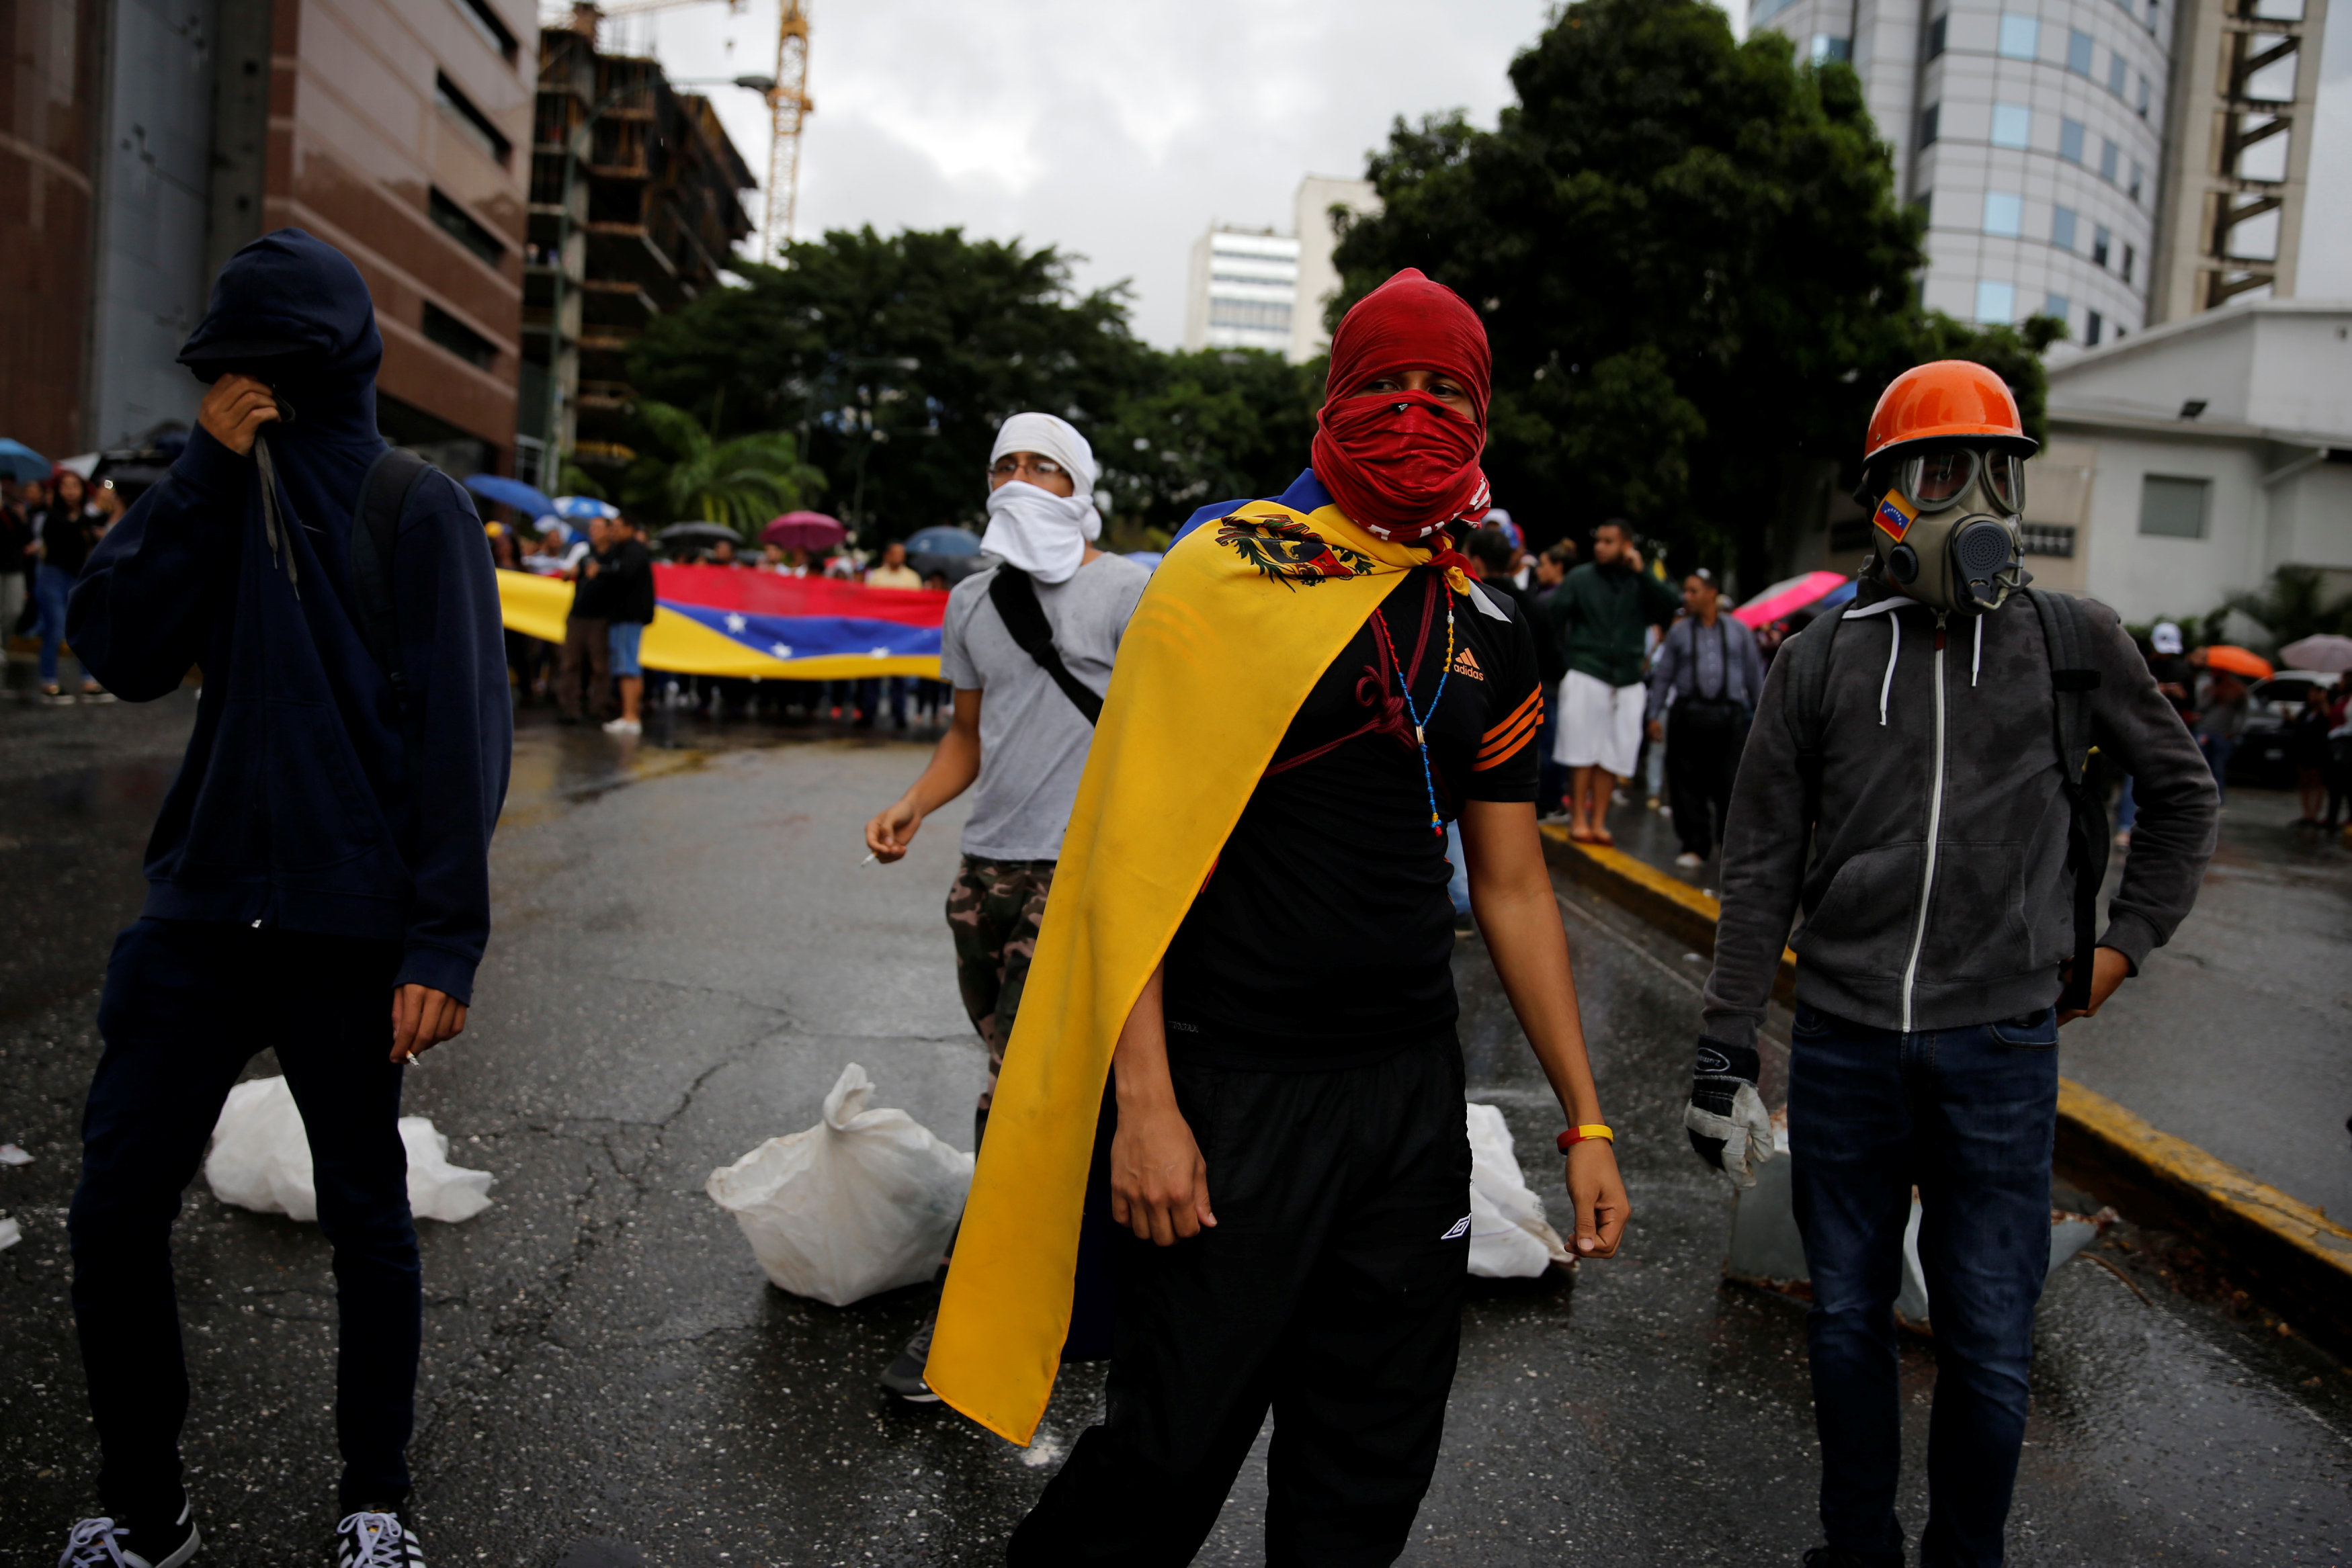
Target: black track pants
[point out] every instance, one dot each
(1329, 1293)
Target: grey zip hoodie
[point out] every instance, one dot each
(1941, 901)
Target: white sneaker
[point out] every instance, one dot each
(1689, 861)
(369, 1539)
(102, 1543)
(624, 726)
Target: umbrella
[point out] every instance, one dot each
(1785, 599)
(583, 508)
(803, 531)
(677, 533)
(956, 568)
(2237, 661)
(2326, 652)
(524, 498)
(20, 462)
(943, 540)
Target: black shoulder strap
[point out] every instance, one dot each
(391, 479)
(1808, 654)
(1015, 598)
(2072, 679)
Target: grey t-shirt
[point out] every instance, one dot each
(1032, 738)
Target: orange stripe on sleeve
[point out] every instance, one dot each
(1504, 748)
(1534, 700)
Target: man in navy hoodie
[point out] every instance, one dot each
(317, 880)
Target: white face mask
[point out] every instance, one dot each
(1043, 534)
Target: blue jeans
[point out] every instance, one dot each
(1457, 885)
(2217, 749)
(51, 587)
(1968, 1115)
(2126, 807)
(186, 1005)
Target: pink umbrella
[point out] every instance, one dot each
(1786, 598)
(810, 531)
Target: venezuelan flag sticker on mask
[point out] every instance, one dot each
(1896, 516)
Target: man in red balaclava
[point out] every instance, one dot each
(1295, 1051)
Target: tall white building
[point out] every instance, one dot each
(1259, 288)
(2067, 153)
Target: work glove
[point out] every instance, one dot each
(1726, 1120)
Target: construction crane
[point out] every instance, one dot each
(788, 105)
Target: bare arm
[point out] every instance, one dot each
(1159, 1182)
(1511, 894)
(955, 763)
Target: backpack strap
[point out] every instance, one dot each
(390, 480)
(1015, 598)
(1808, 654)
(2072, 679)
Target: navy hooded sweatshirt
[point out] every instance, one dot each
(297, 805)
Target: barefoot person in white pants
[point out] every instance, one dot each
(1600, 614)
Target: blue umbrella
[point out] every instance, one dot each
(524, 498)
(20, 462)
(583, 508)
(943, 540)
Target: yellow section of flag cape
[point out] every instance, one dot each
(1240, 620)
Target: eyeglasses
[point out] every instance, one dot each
(1016, 462)
(1933, 481)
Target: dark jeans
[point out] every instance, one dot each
(1701, 758)
(187, 1006)
(1968, 1116)
(2217, 749)
(51, 587)
(1551, 778)
(1329, 1293)
(587, 651)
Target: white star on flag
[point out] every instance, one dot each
(736, 623)
(779, 651)
(879, 654)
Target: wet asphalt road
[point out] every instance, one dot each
(687, 952)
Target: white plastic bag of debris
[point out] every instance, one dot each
(863, 1202)
(1509, 1237)
(261, 1160)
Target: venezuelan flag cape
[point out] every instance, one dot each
(727, 620)
(1240, 618)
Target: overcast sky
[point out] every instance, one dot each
(1119, 131)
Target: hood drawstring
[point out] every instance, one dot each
(1894, 647)
(280, 555)
(1975, 660)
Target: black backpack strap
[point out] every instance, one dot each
(1015, 598)
(391, 479)
(1808, 655)
(2072, 679)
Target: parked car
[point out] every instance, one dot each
(2262, 758)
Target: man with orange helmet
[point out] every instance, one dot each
(1914, 784)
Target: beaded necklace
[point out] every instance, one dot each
(1420, 717)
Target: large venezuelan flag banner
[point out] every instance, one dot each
(728, 621)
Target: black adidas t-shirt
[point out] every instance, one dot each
(1324, 935)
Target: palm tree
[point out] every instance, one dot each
(682, 473)
(2292, 607)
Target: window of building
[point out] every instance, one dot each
(2058, 306)
(1935, 35)
(2099, 244)
(1251, 315)
(492, 27)
(1927, 119)
(2046, 538)
(2091, 327)
(2070, 140)
(1996, 303)
(2151, 27)
(2004, 214)
(1766, 9)
(2109, 156)
(448, 333)
(2171, 507)
(2013, 125)
(2078, 52)
(2139, 174)
(1828, 46)
(460, 224)
(2118, 78)
(477, 125)
(2021, 36)
(1926, 203)
(2062, 227)
(2130, 256)
(2143, 94)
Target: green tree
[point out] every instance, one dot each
(1690, 265)
(1207, 426)
(897, 357)
(2294, 606)
(682, 474)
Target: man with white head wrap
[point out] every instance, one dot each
(1019, 731)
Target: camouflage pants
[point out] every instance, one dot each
(994, 910)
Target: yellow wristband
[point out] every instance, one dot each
(1569, 1139)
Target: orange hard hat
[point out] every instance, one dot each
(1944, 398)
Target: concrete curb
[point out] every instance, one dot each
(2293, 1255)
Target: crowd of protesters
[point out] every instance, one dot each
(48, 528)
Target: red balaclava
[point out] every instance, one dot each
(1403, 464)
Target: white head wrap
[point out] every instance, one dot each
(2165, 638)
(1043, 534)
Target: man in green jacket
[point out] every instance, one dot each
(1599, 614)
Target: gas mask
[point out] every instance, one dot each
(1945, 527)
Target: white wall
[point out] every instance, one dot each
(2145, 576)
